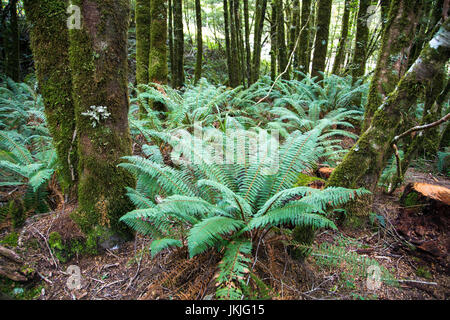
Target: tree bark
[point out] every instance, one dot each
(321, 43)
(50, 45)
(260, 13)
(12, 44)
(282, 59)
(98, 58)
(143, 23)
(362, 36)
(178, 76)
(339, 60)
(304, 43)
(363, 165)
(394, 55)
(199, 59)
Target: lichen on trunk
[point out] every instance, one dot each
(98, 58)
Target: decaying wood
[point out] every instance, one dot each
(12, 266)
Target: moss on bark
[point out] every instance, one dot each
(50, 41)
(363, 165)
(98, 57)
(142, 40)
(321, 44)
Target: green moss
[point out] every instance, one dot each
(65, 250)
(424, 273)
(50, 42)
(306, 180)
(10, 239)
(412, 199)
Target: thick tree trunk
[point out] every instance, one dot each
(394, 55)
(199, 60)
(50, 45)
(363, 165)
(226, 17)
(178, 76)
(248, 55)
(143, 22)
(235, 63)
(98, 58)
(339, 60)
(321, 43)
(294, 31)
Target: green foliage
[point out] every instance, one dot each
(228, 206)
(11, 239)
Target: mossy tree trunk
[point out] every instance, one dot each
(142, 40)
(178, 44)
(248, 55)
(339, 60)
(304, 42)
(157, 70)
(199, 59)
(394, 54)
(322, 33)
(98, 58)
(235, 63)
(12, 44)
(226, 17)
(50, 42)
(260, 13)
(362, 37)
(364, 163)
(294, 31)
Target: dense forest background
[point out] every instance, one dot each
(224, 149)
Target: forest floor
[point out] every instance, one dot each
(129, 272)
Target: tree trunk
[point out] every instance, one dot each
(321, 43)
(339, 60)
(98, 58)
(12, 45)
(273, 41)
(363, 165)
(235, 71)
(178, 76)
(50, 45)
(304, 43)
(294, 31)
(394, 55)
(226, 17)
(143, 22)
(248, 55)
(260, 13)
(170, 39)
(362, 36)
(282, 58)
(199, 60)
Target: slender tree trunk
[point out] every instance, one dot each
(178, 76)
(294, 31)
(385, 6)
(170, 39)
(362, 37)
(260, 13)
(55, 81)
(321, 43)
(199, 60)
(142, 40)
(98, 58)
(394, 55)
(281, 39)
(226, 16)
(12, 43)
(339, 60)
(273, 41)
(157, 71)
(304, 52)
(248, 55)
(363, 165)
(235, 44)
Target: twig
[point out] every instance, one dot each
(423, 127)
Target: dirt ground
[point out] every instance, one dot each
(129, 272)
